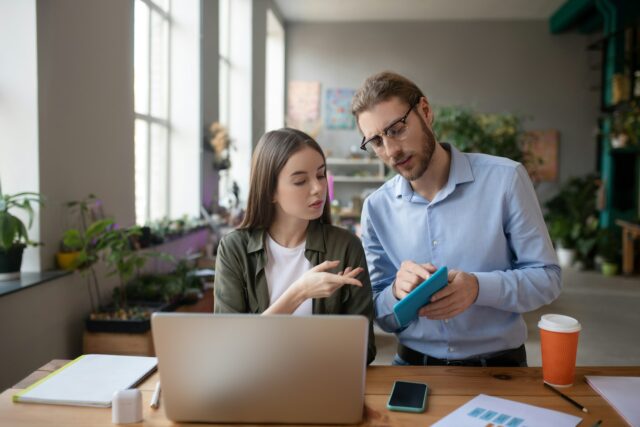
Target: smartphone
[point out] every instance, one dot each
(408, 397)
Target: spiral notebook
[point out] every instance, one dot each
(89, 380)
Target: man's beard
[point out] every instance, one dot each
(423, 156)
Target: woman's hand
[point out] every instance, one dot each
(315, 283)
(319, 283)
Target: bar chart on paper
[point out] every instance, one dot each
(483, 411)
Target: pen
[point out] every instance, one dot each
(567, 398)
(155, 399)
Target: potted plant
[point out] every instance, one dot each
(13, 232)
(73, 242)
(609, 251)
(572, 220)
(181, 286)
(220, 143)
(68, 254)
(88, 255)
(122, 258)
(625, 126)
(561, 233)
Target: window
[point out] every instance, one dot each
(152, 28)
(224, 61)
(225, 183)
(274, 80)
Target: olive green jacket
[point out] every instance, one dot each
(241, 283)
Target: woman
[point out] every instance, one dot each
(280, 259)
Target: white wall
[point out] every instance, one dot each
(19, 109)
(85, 74)
(85, 97)
(501, 66)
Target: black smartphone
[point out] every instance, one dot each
(408, 397)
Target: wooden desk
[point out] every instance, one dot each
(630, 232)
(450, 387)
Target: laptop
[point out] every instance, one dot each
(244, 368)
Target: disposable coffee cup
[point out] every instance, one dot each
(559, 344)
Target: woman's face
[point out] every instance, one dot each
(302, 186)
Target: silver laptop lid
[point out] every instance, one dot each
(261, 369)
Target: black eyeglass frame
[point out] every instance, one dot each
(403, 119)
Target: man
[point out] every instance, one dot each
(474, 213)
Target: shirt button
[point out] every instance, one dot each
(446, 320)
(450, 349)
(435, 243)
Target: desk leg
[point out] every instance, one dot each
(627, 252)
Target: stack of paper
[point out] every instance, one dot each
(486, 410)
(90, 380)
(623, 393)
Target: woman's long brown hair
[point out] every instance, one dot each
(271, 154)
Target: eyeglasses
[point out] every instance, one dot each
(396, 130)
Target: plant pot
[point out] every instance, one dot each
(609, 268)
(126, 326)
(67, 260)
(10, 262)
(619, 141)
(566, 257)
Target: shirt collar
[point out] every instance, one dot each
(459, 172)
(315, 238)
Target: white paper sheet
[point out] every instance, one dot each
(623, 393)
(89, 380)
(484, 410)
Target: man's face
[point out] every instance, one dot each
(411, 154)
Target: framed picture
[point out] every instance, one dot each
(541, 155)
(338, 109)
(303, 105)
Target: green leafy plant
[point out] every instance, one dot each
(13, 231)
(121, 257)
(626, 123)
(87, 242)
(220, 143)
(72, 239)
(84, 240)
(470, 131)
(167, 288)
(572, 217)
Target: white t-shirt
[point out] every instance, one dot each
(285, 266)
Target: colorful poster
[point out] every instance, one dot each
(303, 106)
(338, 109)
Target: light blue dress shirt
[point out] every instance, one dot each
(486, 221)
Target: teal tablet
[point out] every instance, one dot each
(406, 310)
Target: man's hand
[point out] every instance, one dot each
(454, 298)
(409, 276)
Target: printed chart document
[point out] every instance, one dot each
(486, 410)
(621, 393)
(89, 380)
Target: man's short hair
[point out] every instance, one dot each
(382, 87)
